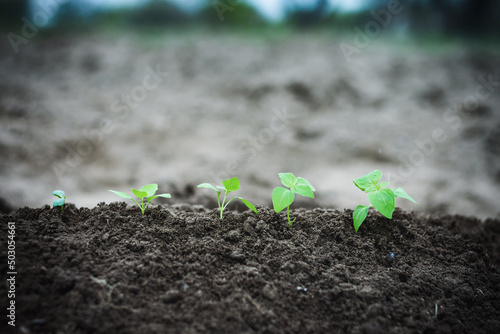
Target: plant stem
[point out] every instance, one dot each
(288, 215)
(290, 222)
(222, 207)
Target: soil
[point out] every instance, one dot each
(179, 269)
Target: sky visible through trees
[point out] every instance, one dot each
(468, 18)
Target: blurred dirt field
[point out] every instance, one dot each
(91, 113)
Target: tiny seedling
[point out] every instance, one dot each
(61, 199)
(228, 186)
(381, 197)
(283, 197)
(146, 192)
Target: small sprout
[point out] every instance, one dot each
(381, 197)
(147, 192)
(228, 186)
(283, 197)
(61, 199)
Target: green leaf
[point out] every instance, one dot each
(383, 185)
(359, 215)
(150, 198)
(371, 188)
(384, 201)
(140, 194)
(59, 193)
(301, 180)
(150, 189)
(399, 192)
(288, 179)
(368, 180)
(58, 202)
(303, 187)
(248, 204)
(282, 198)
(231, 184)
(207, 185)
(121, 194)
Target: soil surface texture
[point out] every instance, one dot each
(180, 269)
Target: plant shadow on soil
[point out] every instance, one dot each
(180, 269)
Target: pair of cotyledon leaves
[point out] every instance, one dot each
(283, 197)
(61, 198)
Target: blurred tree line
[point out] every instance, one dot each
(463, 17)
(11, 11)
(446, 17)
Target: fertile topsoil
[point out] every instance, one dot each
(180, 269)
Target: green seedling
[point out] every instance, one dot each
(229, 185)
(146, 192)
(283, 197)
(61, 199)
(381, 197)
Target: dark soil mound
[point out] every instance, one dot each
(179, 269)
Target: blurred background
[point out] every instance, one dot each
(98, 95)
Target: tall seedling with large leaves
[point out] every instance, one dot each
(379, 195)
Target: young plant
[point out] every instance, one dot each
(283, 197)
(228, 186)
(381, 197)
(61, 199)
(146, 192)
